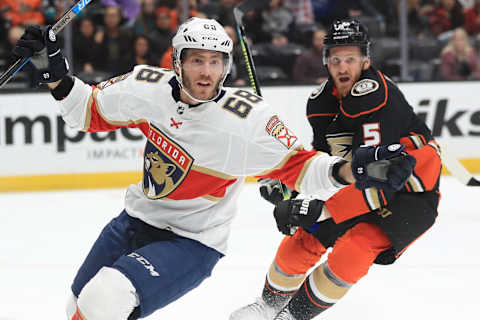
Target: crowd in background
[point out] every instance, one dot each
(111, 36)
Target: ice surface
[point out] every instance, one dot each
(44, 237)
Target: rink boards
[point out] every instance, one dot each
(39, 152)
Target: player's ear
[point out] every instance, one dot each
(366, 64)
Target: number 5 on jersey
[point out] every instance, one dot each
(371, 134)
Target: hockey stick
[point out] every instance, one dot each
(457, 169)
(57, 27)
(238, 12)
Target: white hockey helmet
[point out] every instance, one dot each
(207, 34)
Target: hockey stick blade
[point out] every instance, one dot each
(457, 169)
(56, 28)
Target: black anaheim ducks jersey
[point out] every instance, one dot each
(374, 112)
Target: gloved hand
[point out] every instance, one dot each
(384, 167)
(305, 213)
(48, 62)
(275, 191)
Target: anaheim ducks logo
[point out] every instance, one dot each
(364, 87)
(166, 165)
(340, 144)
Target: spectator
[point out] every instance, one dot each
(353, 9)
(13, 35)
(459, 58)
(145, 21)
(129, 8)
(281, 53)
(276, 18)
(447, 15)
(166, 60)
(176, 14)
(308, 67)
(302, 11)
(472, 19)
(85, 49)
(221, 10)
(161, 36)
(418, 21)
(238, 73)
(114, 42)
(53, 10)
(24, 77)
(141, 54)
(467, 3)
(322, 10)
(23, 12)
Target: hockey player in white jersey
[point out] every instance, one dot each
(202, 140)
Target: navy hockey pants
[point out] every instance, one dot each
(161, 265)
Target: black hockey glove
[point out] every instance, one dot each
(384, 167)
(48, 62)
(275, 191)
(291, 214)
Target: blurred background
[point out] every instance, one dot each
(430, 47)
(412, 40)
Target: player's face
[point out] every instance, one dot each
(202, 71)
(345, 65)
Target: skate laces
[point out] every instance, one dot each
(284, 315)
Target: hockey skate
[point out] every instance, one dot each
(259, 310)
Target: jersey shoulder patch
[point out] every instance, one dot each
(367, 95)
(277, 129)
(318, 90)
(364, 87)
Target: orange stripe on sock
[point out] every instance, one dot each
(312, 301)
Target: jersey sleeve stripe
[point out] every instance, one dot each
(371, 198)
(96, 121)
(281, 164)
(88, 117)
(300, 177)
(321, 115)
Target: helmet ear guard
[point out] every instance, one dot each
(346, 32)
(206, 34)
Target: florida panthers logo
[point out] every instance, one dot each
(166, 165)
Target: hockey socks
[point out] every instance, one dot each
(280, 287)
(321, 290)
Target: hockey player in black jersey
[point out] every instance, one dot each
(357, 106)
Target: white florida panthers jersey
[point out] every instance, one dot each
(196, 157)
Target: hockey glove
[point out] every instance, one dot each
(291, 214)
(384, 167)
(48, 62)
(275, 191)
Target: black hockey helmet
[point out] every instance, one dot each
(347, 32)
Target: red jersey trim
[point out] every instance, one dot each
(321, 115)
